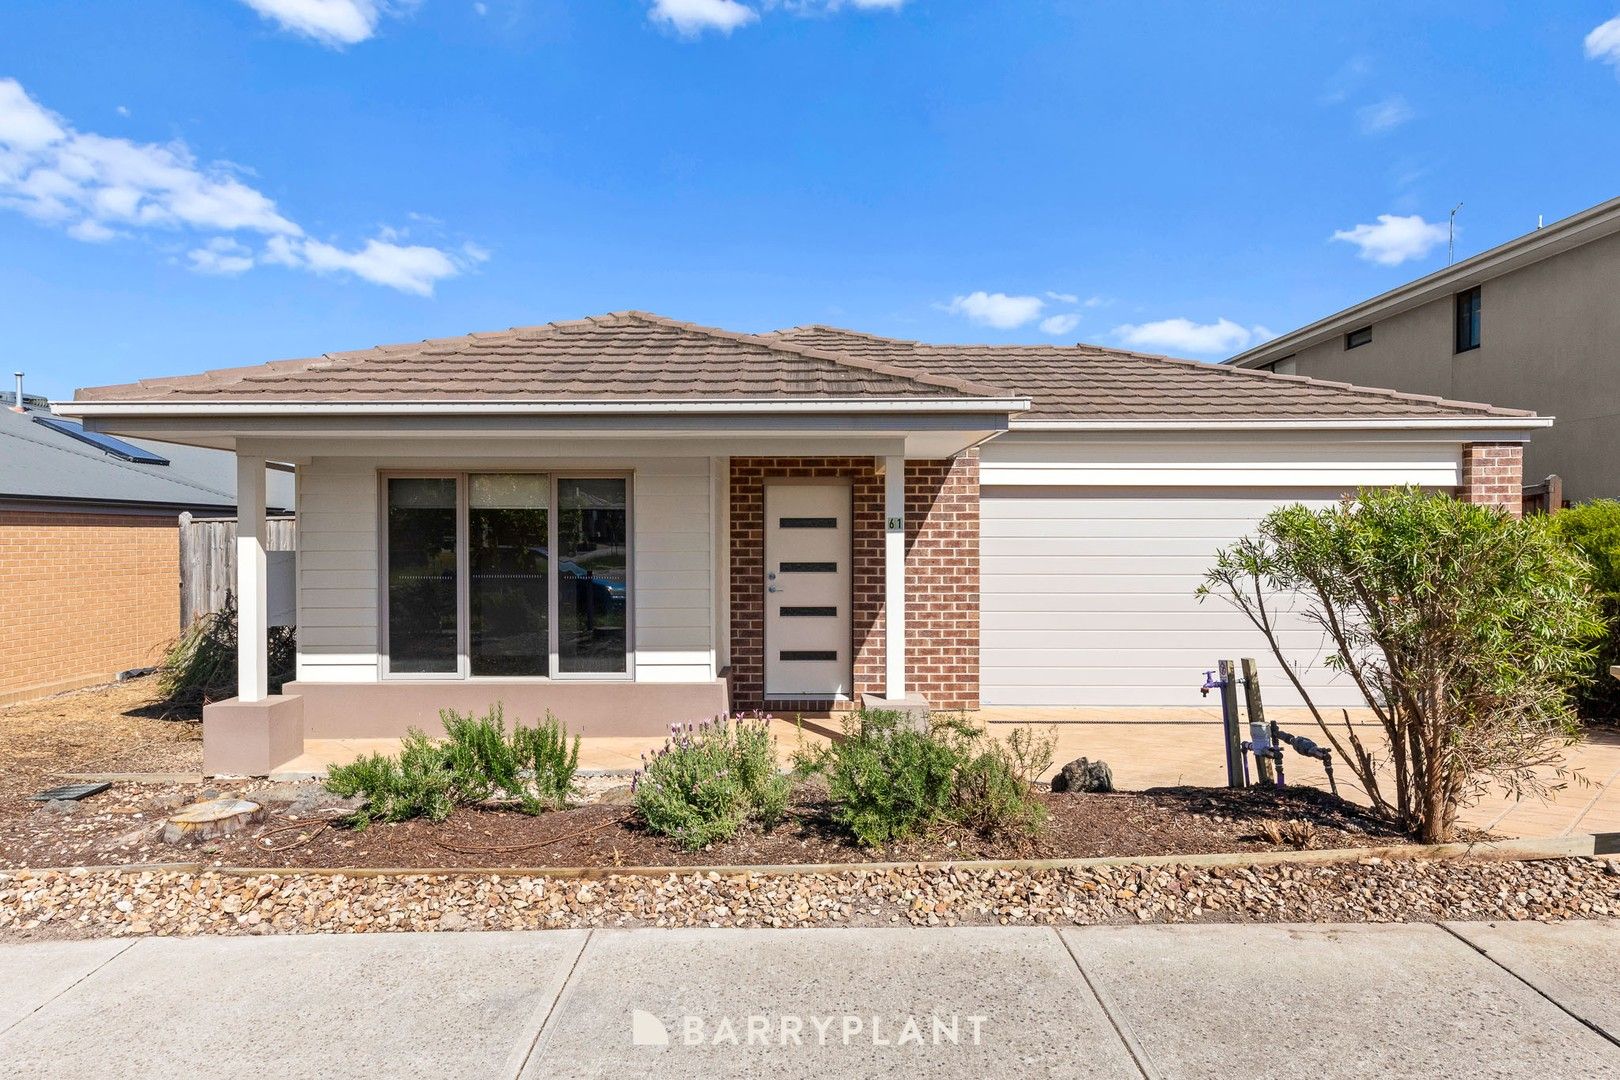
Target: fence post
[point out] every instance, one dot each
(187, 608)
(1232, 722)
(1259, 730)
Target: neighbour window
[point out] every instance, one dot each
(1355, 339)
(485, 578)
(1468, 320)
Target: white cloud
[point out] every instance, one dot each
(330, 22)
(1394, 239)
(1062, 297)
(409, 268)
(222, 255)
(1186, 336)
(1059, 325)
(98, 188)
(1603, 43)
(690, 18)
(997, 310)
(1385, 115)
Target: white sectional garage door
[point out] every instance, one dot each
(1088, 596)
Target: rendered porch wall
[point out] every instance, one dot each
(339, 637)
(942, 577)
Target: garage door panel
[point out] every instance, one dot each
(1174, 559)
(1118, 637)
(1089, 598)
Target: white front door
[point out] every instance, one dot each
(807, 590)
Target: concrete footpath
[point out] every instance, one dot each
(1459, 1000)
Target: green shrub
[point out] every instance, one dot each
(891, 779)
(710, 779)
(477, 760)
(416, 783)
(1593, 529)
(1464, 628)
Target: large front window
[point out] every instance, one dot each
(507, 575)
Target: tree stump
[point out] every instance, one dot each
(206, 820)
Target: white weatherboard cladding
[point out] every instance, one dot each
(671, 553)
(1091, 552)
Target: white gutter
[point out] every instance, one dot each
(1416, 423)
(538, 408)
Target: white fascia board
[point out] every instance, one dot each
(722, 407)
(1424, 423)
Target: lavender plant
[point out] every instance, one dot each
(711, 778)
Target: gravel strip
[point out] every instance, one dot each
(99, 903)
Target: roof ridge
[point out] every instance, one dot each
(825, 329)
(763, 341)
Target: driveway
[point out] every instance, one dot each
(1462, 1000)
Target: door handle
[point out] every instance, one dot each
(770, 588)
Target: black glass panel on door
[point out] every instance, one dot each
(592, 580)
(422, 575)
(506, 557)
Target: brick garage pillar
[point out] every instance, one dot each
(1493, 475)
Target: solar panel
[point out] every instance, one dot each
(118, 448)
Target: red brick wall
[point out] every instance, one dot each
(83, 597)
(942, 581)
(1493, 475)
(942, 576)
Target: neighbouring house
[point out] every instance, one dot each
(1531, 323)
(634, 521)
(89, 546)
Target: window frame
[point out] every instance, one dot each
(463, 672)
(1350, 341)
(1477, 296)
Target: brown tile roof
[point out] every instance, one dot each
(635, 356)
(628, 355)
(1089, 382)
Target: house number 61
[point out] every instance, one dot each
(896, 524)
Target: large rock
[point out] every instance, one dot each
(1083, 775)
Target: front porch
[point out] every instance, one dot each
(461, 579)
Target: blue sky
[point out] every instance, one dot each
(188, 184)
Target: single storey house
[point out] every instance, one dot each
(634, 521)
(90, 546)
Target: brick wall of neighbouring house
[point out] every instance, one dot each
(83, 597)
(1493, 475)
(942, 575)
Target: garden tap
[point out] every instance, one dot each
(1210, 683)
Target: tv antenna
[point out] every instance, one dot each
(1451, 235)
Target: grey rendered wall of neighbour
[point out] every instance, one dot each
(1550, 341)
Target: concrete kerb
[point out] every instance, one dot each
(1514, 850)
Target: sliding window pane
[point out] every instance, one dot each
(592, 586)
(422, 575)
(506, 553)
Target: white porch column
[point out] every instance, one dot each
(894, 577)
(252, 590)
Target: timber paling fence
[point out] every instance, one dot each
(208, 560)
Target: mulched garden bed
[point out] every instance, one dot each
(124, 826)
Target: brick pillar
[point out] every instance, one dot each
(1493, 475)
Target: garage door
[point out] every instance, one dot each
(1088, 597)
